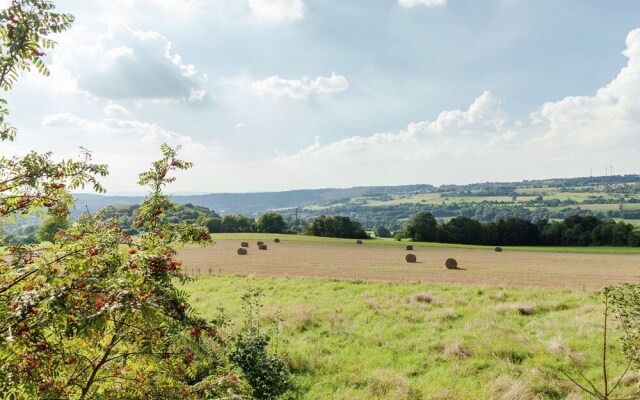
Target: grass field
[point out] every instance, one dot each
(357, 340)
(390, 242)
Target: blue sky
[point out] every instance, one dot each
(289, 94)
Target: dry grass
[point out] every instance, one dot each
(423, 297)
(386, 263)
(457, 349)
(506, 388)
(388, 384)
(557, 345)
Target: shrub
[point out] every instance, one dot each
(268, 374)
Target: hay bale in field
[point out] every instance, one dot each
(242, 251)
(358, 241)
(260, 242)
(276, 240)
(409, 247)
(262, 247)
(411, 258)
(244, 244)
(526, 310)
(498, 249)
(451, 263)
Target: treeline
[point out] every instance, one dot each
(576, 230)
(334, 226)
(394, 216)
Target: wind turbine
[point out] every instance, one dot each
(605, 171)
(611, 169)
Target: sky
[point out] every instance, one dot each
(270, 95)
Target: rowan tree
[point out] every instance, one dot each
(96, 315)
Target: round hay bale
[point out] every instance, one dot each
(526, 310)
(244, 244)
(498, 249)
(242, 251)
(451, 263)
(409, 247)
(411, 258)
(260, 242)
(262, 247)
(358, 241)
(276, 240)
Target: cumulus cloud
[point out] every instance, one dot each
(126, 64)
(427, 3)
(571, 135)
(300, 89)
(459, 132)
(610, 119)
(277, 10)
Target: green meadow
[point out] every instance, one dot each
(357, 340)
(392, 242)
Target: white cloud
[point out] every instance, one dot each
(277, 10)
(608, 120)
(300, 89)
(128, 146)
(427, 3)
(115, 110)
(125, 64)
(147, 132)
(571, 135)
(455, 132)
(332, 84)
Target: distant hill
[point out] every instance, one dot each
(391, 206)
(251, 203)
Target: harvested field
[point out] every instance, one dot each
(387, 263)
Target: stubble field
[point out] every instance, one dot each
(347, 260)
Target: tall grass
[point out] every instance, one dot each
(355, 340)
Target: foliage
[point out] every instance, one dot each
(271, 223)
(237, 223)
(626, 302)
(268, 374)
(609, 388)
(381, 231)
(51, 225)
(422, 228)
(336, 226)
(98, 313)
(187, 213)
(573, 231)
(25, 27)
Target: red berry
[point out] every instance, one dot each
(132, 251)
